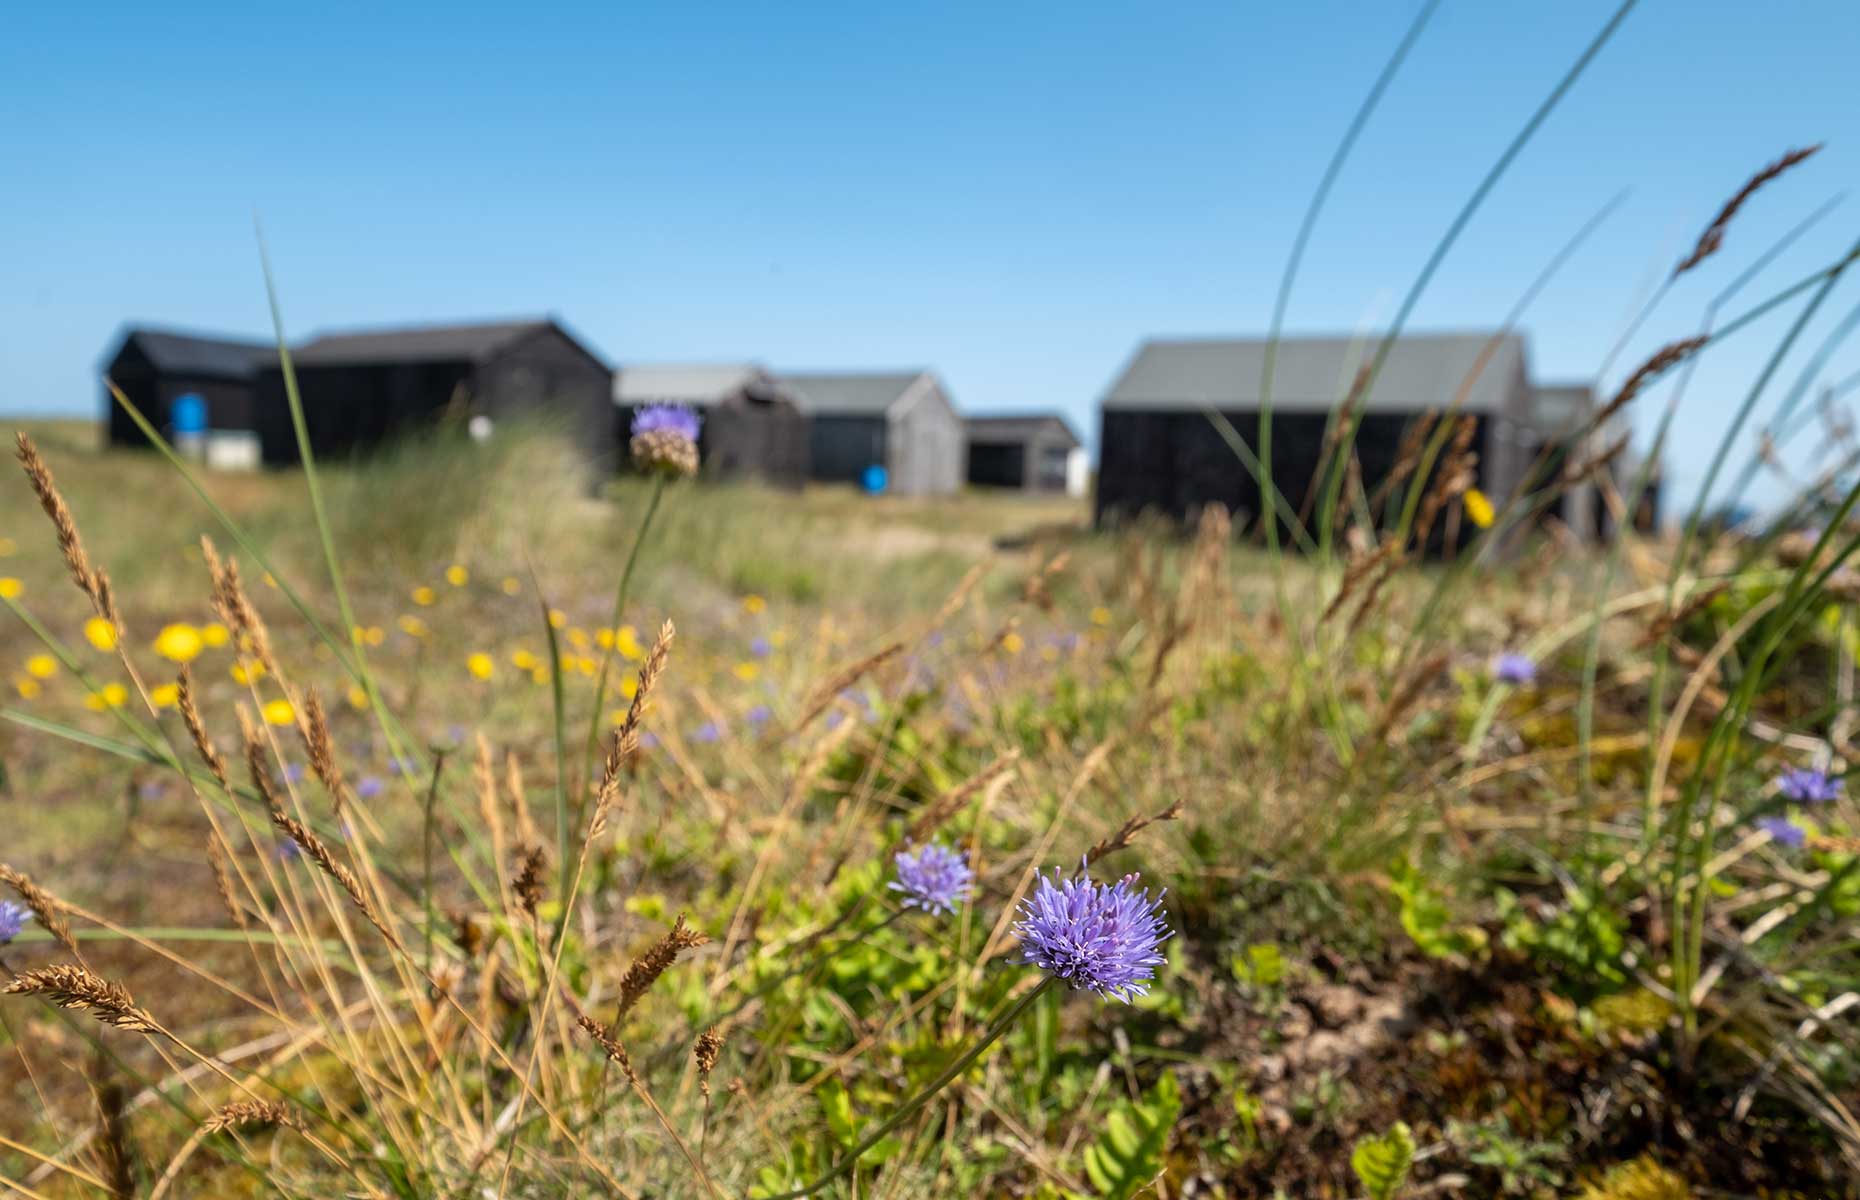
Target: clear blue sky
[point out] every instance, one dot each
(1012, 194)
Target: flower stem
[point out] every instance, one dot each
(620, 595)
(851, 1159)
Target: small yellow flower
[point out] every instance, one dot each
(413, 626)
(604, 638)
(629, 687)
(1478, 508)
(586, 665)
(10, 588)
(111, 695)
(557, 618)
(374, 635)
(278, 712)
(8, 547)
(358, 696)
(100, 633)
(215, 635)
(457, 575)
(27, 688)
(626, 641)
(523, 660)
(480, 665)
(511, 585)
(179, 643)
(1101, 615)
(41, 666)
(424, 595)
(244, 672)
(539, 674)
(746, 671)
(1013, 643)
(754, 604)
(578, 638)
(165, 695)
(617, 717)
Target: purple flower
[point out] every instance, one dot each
(649, 740)
(1807, 786)
(1783, 831)
(709, 731)
(935, 879)
(1515, 669)
(293, 772)
(1097, 936)
(12, 920)
(651, 418)
(288, 851)
(369, 786)
(760, 714)
(760, 647)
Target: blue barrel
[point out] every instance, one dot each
(874, 479)
(188, 414)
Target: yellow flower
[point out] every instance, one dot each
(480, 665)
(165, 695)
(629, 687)
(374, 635)
(8, 547)
(278, 712)
(413, 626)
(523, 660)
(179, 643)
(100, 633)
(511, 585)
(617, 717)
(754, 604)
(746, 671)
(41, 666)
(578, 638)
(778, 638)
(457, 576)
(626, 641)
(539, 675)
(215, 635)
(111, 695)
(557, 618)
(358, 696)
(10, 588)
(27, 688)
(1013, 644)
(1101, 615)
(1478, 508)
(604, 638)
(586, 665)
(250, 672)
(424, 595)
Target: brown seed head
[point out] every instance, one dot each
(69, 985)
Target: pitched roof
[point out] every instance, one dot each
(1311, 374)
(197, 354)
(851, 393)
(1558, 408)
(700, 385)
(1018, 426)
(416, 343)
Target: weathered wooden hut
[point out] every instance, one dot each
(158, 369)
(753, 427)
(902, 422)
(360, 389)
(1029, 452)
(1159, 450)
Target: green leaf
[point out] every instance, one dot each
(1128, 1157)
(1382, 1163)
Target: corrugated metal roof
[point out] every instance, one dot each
(1018, 426)
(851, 393)
(697, 384)
(416, 343)
(1311, 374)
(187, 353)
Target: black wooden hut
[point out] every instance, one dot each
(361, 389)
(753, 427)
(1159, 450)
(1029, 452)
(902, 421)
(156, 367)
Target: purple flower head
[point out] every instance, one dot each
(369, 786)
(649, 740)
(709, 731)
(760, 647)
(288, 851)
(1783, 831)
(1097, 936)
(935, 879)
(12, 920)
(1515, 669)
(651, 418)
(760, 714)
(293, 772)
(1807, 786)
